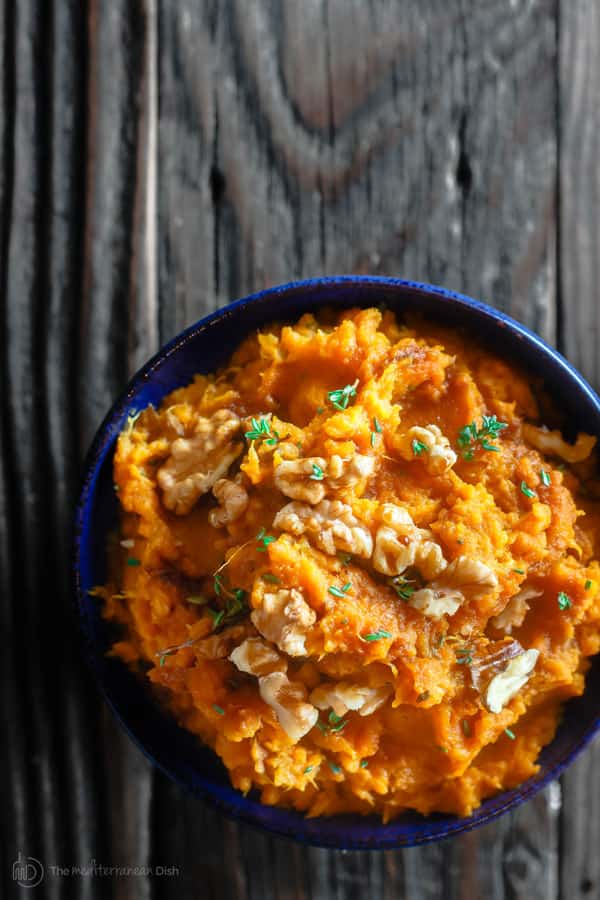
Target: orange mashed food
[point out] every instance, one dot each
(355, 564)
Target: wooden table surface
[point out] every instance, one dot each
(162, 157)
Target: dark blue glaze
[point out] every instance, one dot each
(202, 348)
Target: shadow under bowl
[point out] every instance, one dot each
(203, 348)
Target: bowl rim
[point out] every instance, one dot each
(94, 458)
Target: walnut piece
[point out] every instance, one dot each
(301, 479)
(255, 657)
(233, 501)
(513, 614)
(342, 696)
(504, 686)
(463, 579)
(309, 478)
(331, 524)
(553, 444)
(288, 701)
(285, 618)
(439, 455)
(400, 544)
(346, 472)
(196, 463)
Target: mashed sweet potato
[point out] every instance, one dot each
(355, 564)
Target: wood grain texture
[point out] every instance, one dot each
(160, 158)
(579, 267)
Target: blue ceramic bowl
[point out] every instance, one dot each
(202, 348)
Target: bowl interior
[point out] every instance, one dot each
(202, 349)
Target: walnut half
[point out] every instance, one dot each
(287, 699)
(503, 687)
(341, 697)
(233, 501)
(196, 463)
(439, 455)
(400, 544)
(464, 579)
(285, 619)
(331, 524)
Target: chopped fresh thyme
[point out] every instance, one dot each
(161, 661)
(334, 768)
(264, 540)
(269, 577)
(217, 616)
(341, 397)
(545, 478)
(464, 656)
(337, 723)
(308, 769)
(564, 601)
(466, 727)
(418, 447)
(588, 585)
(519, 571)
(525, 489)
(132, 561)
(317, 473)
(197, 600)
(402, 587)
(377, 430)
(443, 749)
(470, 436)
(510, 734)
(218, 709)
(364, 763)
(261, 430)
(376, 635)
(340, 592)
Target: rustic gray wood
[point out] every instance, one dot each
(579, 312)
(158, 159)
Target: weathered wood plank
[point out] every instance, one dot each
(119, 328)
(579, 267)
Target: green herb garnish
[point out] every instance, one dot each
(341, 397)
(377, 430)
(218, 709)
(272, 579)
(308, 769)
(470, 436)
(364, 763)
(317, 473)
(340, 592)
(376, 635)
(588, 585)
(525, 489)
(464, 656)
(402, 587)
(161, 661)
(264, 540)
(443, 749)
(335, 769)
(510, 734)
(545, 478)
(345, 558)
(132, 561)
(418, 447)
(519, 571)
(261, 430)
(564, 601)
(197, 600)
(217, 616)
(337, 723)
